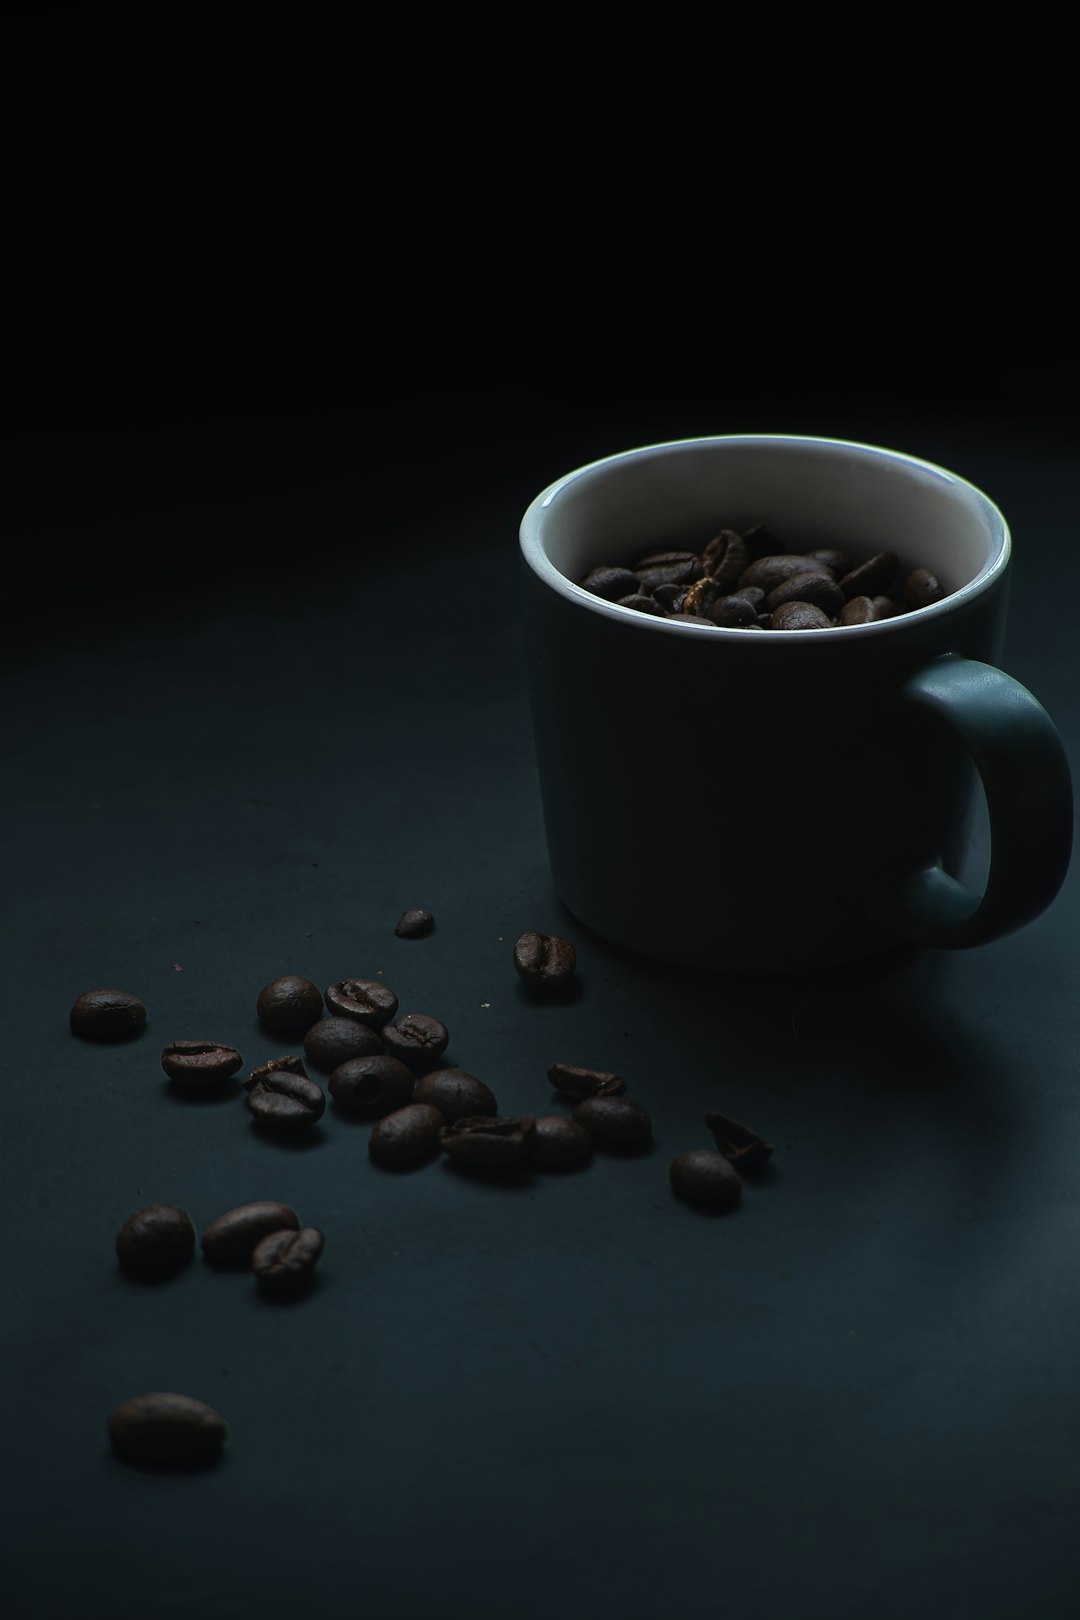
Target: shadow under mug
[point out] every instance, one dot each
(765, 801)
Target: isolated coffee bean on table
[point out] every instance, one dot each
(157, 1241)
(333, 1041)
(407, 1137)
(369, 1001)
(574, 1081)
(615, 1124)
(544, 961)
(705, 1179)
(232, 1238)
(418, 1040)
(369, 1087)
(282, 1097)
(167, 1428)
(455, 1094)
(289, 1005)
(284, 1262)
(559, 1144)
(489, 1145)
(107, 1015)
(415, 924)
(200, 1063)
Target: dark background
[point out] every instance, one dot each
(300, 318)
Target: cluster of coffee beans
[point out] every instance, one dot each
(159, 1241)
(749, 582)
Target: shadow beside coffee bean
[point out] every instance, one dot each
(748, 582)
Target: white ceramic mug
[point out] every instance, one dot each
(737, 799)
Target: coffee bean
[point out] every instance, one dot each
(417, 1040)
(705, 1179)
(406, 1137)
(726, 559)
(610, 583)
(835, 561)
(738, 1142)
(157, 1241)
(232, 1238)
(414, 924)
(488, 1146)
(167, 1428)
(799, 616)
(544, 961)
(666, 568)
(921, 588)
(768, 572)
(281, 1096)
(369, 1087)
(289, 1005)
(820, 589)
(691, 618)
(732, 612)
(885, 605)
(614, 1123)
(107, 1015)
(642, 604)
(333, 1041)
(559, 1144)
(860, 610)
(200, 1063)
(455, 1094)
(577, 1082)
(876, 574)
(760, 542)
(284, 1262)
(367, 1000)
(666, 596)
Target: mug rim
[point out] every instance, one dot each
(540, 563)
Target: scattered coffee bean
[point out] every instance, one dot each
(369, 1087)
(614, 1124)
(417, 1040)
(166, 1428)
(281, 1096)
(232, 1238)
(799, 616)
(415, 924)
(705, 1179)
(921, 588)
(455, 1094)
(819, 589)
(544, 961)
(333, 1041)
(876, 574)
(367, 1000)
(157, 1241)
(559, 1144)
(406, 1137)
(490, 1146)
(284, 1262)
(107, 1015)
(738, 1142)
(289, 1005)
(574, 1081)
(200, 1063)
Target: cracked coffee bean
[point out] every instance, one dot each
(157, 1241)
(544, 961)
(419, 1041)
(614, 1124)
(415, 924)
(107, 1015)
(705, 1179)
(367, 1000)
(284, 1262)
(289, 1005)
(166, 1428)
(489, 1146)
(333, 1041)
(281, 1096)
(200, 1063)
(559, 1144)
(738, 1142)
(407, 1137)
(574, 1081)
(369, 1087)
(232, 1238)
(455, 1094)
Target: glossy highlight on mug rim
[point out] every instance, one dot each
(541, 565)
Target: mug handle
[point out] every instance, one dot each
(1025, 776)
